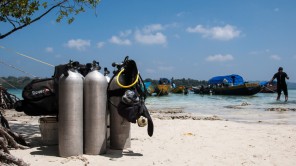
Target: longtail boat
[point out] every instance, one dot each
(180, 89)
(267, 87)
(149, 87)
(163, 87)
(230, 85)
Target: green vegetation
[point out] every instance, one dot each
(21, 13)
(14, 82)
(186, 82)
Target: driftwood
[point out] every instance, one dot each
(10, 140)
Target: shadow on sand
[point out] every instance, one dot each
(31, 133)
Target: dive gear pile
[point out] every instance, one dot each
(82, 98)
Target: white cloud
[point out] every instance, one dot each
(275, 57)
(78, 44)
(119, 41)
(227, 32)
(49, 49)
(219, 58)
(152, 28)
(155, 38)
(125, 33)
(100, 44)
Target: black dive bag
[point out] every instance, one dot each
(39, 98)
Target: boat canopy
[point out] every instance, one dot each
(233, 78)
(264, 83)
(147, 84)
(164, 81)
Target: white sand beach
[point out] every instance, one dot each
(175, 142)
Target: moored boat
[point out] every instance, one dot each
(230, 85)
(180, 89)
(149, 87)
(267, 87)
(163, 87)
(243, 89)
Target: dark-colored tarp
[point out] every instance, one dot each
(164, 81)
(231, 79)
(264, 83)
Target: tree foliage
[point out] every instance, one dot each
(186, 82)
(21, 13)
(17, 82)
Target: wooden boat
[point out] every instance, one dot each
(163, 87)
(163, 90)
(149, 87)
(180, 89)
(230, 85)
(243, 89)
(202, 90)
(268, 88)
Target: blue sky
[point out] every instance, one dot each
(167, 38)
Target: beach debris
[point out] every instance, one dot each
(245, 104)
(168, 111)
(188, 134)
(8, 140)
(79, 157)
(7, 100)
(237, 106)
(173, 114)
(281, 109)
(233, 106)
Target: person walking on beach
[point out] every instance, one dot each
(281, 83)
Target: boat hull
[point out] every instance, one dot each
(246, 89)
(163, 90)
(178, 89)
(269, 88)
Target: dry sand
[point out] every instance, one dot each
(176, 141)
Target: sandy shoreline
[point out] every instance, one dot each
(176, 141)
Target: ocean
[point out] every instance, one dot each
(249, 109)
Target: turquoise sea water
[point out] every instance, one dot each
(226, 107)
(229, 107)
(16, 92)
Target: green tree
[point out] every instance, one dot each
(21, 13)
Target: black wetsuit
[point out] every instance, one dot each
(281, 82)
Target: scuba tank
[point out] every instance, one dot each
(95, 111)
(106, 72)
(126, 99)
(119, 127)
(70, 112)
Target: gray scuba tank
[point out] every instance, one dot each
(95, 112)
(106, 74)
(120, 137)
(70, 113)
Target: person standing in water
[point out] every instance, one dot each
(281, 83)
